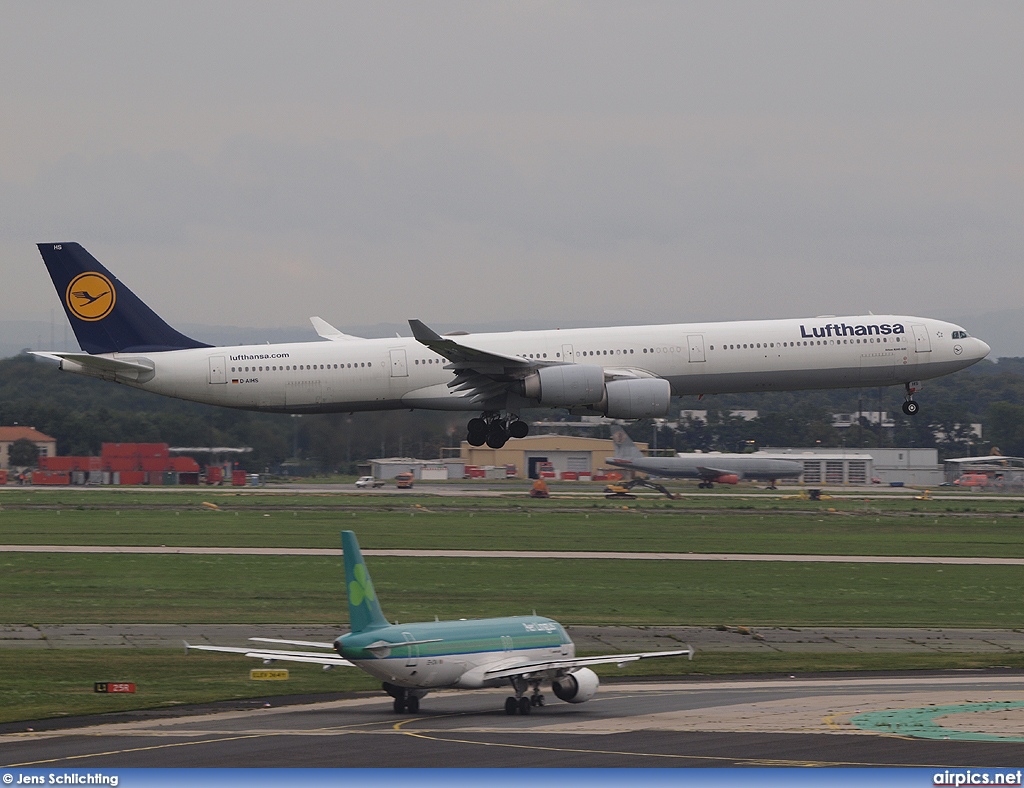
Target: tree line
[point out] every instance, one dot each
(83, 413)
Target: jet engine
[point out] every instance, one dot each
(566, 384)
(644, 398)
(728, 478)
(582, 385)
(576, 687)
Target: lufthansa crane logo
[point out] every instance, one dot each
(90, 296)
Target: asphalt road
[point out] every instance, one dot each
(934, 721)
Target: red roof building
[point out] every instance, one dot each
(47, 446)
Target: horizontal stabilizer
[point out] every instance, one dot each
(307, 643)
(99, 364)
(273, 655)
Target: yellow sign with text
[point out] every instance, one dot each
(262, 674)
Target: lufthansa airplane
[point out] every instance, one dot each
(412, 659)
(709, 468)
(627, 372)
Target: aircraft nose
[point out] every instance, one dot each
(983, 348)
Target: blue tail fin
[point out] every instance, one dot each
(363, 608)
(107, 317)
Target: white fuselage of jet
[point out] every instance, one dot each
(695, 358)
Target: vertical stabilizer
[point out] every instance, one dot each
(363, 608)
(106, 316)
(625, 449)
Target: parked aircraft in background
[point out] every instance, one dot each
(627, 372)
(412, 659)
(709, 468)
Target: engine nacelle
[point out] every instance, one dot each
(728, 478)
(645, 398)
(576, 687)
(565, 385)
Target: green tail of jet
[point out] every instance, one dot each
(363, 608)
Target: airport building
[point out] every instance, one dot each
(566, 456)
(854, 466)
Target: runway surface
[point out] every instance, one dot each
(965, 719)
(578, 554)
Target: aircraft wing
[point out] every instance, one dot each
(713, 473)
(480, 374)
(529, 668)
(273, 655)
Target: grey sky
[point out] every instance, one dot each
(254, 163)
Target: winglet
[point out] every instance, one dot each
(363, 607)
(327, 331)
(424, 334)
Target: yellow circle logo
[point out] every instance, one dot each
(90, 296)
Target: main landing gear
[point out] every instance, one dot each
(910, 407)
(405, 701)
(495, 431)
(521, 702)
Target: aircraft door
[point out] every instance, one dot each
(414, 651)
(696, 345)
(567, 354)
(922, 344)
(218, 370)
(399, 364)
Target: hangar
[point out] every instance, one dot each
(565, 453)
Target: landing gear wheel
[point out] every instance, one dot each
(399, 705)
(518, 429)
(511, 705)
(476, 438)
(497, 436)
(537, 700)
(476, 432)
(910, 407)
(412, 704)
(524, 705)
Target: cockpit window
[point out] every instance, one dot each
(959, 335)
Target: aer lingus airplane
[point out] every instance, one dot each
(627, 372)
(709, 468)
(412, 659)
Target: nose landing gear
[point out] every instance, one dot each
(910, 407)
(494, 430)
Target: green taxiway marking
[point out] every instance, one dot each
(920, 723)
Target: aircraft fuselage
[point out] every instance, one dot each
(695, 358)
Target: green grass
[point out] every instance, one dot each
(60, 588)
(59, 683)
(660, 530)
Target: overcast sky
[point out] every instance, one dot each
(253, 163)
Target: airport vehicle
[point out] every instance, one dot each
(369, 481)
(709, 468)
(626, 372)
(620, 490)
(412, 659)
(540, 489)
(404, 481)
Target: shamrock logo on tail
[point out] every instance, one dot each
(361, 588)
